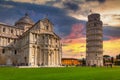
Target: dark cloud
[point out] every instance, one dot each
(35, 11)
(65, 24)
(77, 31)
(100, 1)
(116, 16)
(105, 38)
(71, 5)
(111, 32)
(62, 22)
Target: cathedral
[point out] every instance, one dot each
(29, 44)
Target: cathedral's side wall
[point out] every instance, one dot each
(8, 37)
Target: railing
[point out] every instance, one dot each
(94, 33)
(94, 38)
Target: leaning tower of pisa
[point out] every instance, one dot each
(94, 40)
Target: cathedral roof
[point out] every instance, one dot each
(25, 19)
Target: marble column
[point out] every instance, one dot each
(49, 58)
(43, 57)
(58, 58)
(38, 56)
(53, 58)
(46, 58)
(35, 56)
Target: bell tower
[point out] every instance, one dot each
(94, 40)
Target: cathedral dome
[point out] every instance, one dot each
(26, 19)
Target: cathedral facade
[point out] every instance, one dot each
(29, 44)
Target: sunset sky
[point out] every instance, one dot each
(69, 18)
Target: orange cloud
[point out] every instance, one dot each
(112, 47)
(74, 50)
(74, 43)
(77, 47)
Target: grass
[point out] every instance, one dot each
(68, 73)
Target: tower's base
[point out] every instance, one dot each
(94, 63)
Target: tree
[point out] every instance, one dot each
(107, 59)
(112, 59)
(118, 56)
(106, 56)
(83, 62)
(117, 62)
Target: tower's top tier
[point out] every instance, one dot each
(94, 17)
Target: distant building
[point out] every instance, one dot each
(70, 61)
(94, 40)
(30, 44)
(107, 60)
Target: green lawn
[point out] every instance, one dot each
(68, 73)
